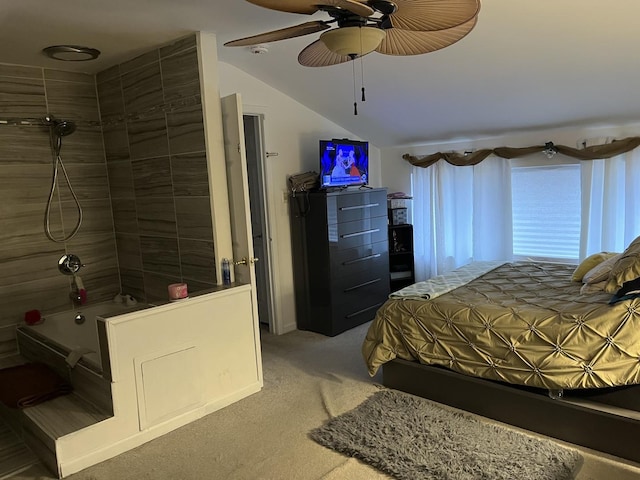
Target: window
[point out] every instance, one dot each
(546, 211)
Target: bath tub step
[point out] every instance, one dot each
(43, 424)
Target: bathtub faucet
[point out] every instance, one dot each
(78, 293)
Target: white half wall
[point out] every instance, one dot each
(292, 131)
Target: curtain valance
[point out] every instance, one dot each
(593, 152)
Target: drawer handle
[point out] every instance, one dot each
(355, 314)
(370, 282)
(362, 259)
(357, 234)
(359, 207)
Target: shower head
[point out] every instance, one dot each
(60, 128)
(63, 128)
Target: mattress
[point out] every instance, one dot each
(523, 323)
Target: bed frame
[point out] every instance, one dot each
(607, 420)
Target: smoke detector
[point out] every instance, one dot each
(260, 49)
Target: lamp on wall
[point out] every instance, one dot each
(353, 41)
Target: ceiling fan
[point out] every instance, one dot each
(390, 27)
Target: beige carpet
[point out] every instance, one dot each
(308, 378)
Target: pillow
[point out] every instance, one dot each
(588, 263)
(626, 268)
(600, 272)
(588, 288)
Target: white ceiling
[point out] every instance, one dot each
(528, 64)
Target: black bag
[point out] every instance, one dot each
(303, 182)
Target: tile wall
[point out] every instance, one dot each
(29, 277)
(137, 163)
(154, 138)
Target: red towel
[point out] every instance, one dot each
(30, 384)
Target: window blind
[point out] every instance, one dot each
(546, 211)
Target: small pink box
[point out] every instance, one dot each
(178, 291)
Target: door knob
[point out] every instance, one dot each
(244, 261)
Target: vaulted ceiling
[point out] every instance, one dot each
(527, 64)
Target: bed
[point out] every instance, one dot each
(522, 343)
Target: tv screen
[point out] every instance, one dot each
(343, 163)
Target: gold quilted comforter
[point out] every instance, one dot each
(521, 323)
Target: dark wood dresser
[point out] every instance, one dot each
(340, 257)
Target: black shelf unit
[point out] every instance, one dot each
(401, 264)
(340, 257)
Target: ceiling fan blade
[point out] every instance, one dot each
(432, 15)
(409, 42)
(352, 6)
(282, 34)
(318, 55)
(309, 7)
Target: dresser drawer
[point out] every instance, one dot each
(356, 206)
(357, 233)
(359, 259)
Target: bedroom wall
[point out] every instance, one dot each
(293, 131)
(396, 172)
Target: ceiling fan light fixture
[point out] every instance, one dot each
(350, 41)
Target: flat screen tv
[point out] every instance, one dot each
(343, 162)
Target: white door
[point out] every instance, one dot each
(243, 270)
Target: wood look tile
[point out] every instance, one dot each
(194, 218)
(148, 138)
(156, 216)
(24, 262)
(23, 145)
(20, 71)
(152, 177)
(196, 286)
(116, 142)
(125, 215)
(22, 223)
(121, 180)
(83, 146)
(185, 43)
(100, 273)
(89, 182)
(186, 130)
(190, 175)
(198, 260)
(110, 98)
(132, 283)
(142, 89)
(145, 59)
(72, 101)
(76, 77)
(181, 75)
(46, 295)
(160, 255)
(108, 74)
(129, 252)
(97, 217)
(24, 183)
(156, 286)
(22, 97)
(8, 342)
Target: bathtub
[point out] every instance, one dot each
(77, 342)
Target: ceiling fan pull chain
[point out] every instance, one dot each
(362, 66)
(355, 97)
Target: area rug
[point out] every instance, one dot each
(412, 438)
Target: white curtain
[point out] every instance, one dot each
(461, 214)
(610, 203)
